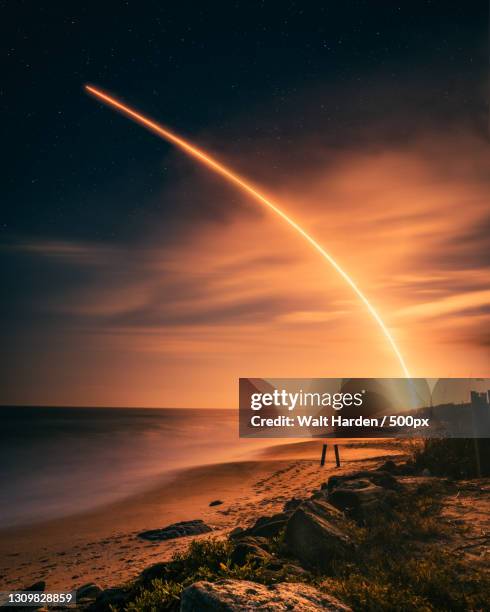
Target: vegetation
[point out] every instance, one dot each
(454, 457)
(208, 559)
(399, 564)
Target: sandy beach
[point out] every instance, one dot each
(102, 545)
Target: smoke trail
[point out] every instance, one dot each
(240, 182)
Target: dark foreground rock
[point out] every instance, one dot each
(378, 477)
(37, 586)
(388, 466)
(326, 510)
(292, 504)
(153, 572)
(109, 600)
(268, 526)
(88, 591)
(243, 596)
(313, 536)
(176, 530)
(252, 549)
(360, 499)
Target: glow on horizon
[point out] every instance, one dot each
(237, 180)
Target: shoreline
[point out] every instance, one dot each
(102, 546)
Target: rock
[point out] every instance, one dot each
(109, 600)
(324, 509)
(250, 549)
(236, 533)
(257, 540)
(284, 569)
(88, 591)
(152, 572)
(320, 494)
(176, 530)
(216, 502)
(37, 586)
(292, 504)
(243, 596)
(268, 526)
(388, 466)
(407, 469)
(291, 570)
(425, 472)
(359, 498)
(314, 539)
(377, 477)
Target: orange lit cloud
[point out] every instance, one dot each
(176, 322)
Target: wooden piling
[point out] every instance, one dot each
(337, 456)
(324, 452)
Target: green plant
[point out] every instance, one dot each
(162, 595)
(398, 564)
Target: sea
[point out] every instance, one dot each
(60, 461)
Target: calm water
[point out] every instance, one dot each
(58, 461)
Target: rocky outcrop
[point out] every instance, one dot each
(314, 536)
(88, 591)
(153, 572)
(388, 466)
(250, 549)
(326, 510)
(176, 530)
(359, 499)
(109, 600)
(243, 596)
(292, 504)
(377, 477)
(37, 586)
(268, 526)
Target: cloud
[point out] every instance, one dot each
(218, 288)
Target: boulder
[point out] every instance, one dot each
(407, 468)
(88, 591)
(388, 466)
(236, 532)
(37, 586)
(243, 596)
(258, 540)
(215, 502)
(359, 498)
(314, 539)
(320, 494)
(268, 526)
(284, 569)
(292, 504)
(377, 477)
(152, 572)
(176, 530)
(109, 600)
(326, 510)
(252, 549)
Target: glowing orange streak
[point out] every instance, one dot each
(237, 180)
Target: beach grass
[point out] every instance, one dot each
(399, 563)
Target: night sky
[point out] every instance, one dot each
(247, 80)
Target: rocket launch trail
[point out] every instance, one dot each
(245, 186)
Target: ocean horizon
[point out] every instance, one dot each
(57, 461)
